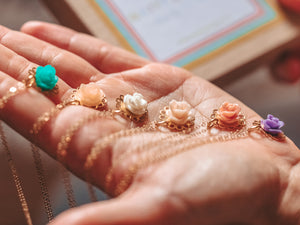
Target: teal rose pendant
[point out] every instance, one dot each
(43, 78)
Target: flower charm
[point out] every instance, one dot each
(179, 112)
(178, 116)
(272, 125)
(229, 113)
(90, 95)
(134, 107)
(227, 117)
(136, 104)
(45, 77)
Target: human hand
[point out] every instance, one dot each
(244, 181)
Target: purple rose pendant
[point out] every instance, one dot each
(271, 127)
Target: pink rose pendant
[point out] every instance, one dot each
(227, 117)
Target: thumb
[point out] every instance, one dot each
(293, 5)
(128, 209)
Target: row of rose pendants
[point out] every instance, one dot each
(177, 116)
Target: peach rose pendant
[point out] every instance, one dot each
(227, 117)
(177, 116)
(89, 95)
(133, 107)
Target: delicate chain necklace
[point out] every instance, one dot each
(164, 139)
(62, 152)
(42, 180)
(171, 149)
(63, 146)
(66, 178)
(16, 177)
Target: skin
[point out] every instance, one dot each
(253, 180)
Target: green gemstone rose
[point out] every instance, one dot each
(45, 77)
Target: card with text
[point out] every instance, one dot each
(181, 32)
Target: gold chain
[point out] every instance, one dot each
(44, 118)
(92, 192)
(37, 126)
(62, 148)
(149, 145)
(42, 180)
(178, 146)
(136, 150)
(16, 177)
(13, 91)
(100, 145)
(67, 137)
(67, 186)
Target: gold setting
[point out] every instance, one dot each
(75, 101)
(30, 83)
(165, 121)
(216, 122)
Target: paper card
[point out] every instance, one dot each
(182, 31)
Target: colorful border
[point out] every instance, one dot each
(264, 14)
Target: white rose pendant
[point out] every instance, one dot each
(133, 107)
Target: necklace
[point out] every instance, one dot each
(170, 149)
(16, 177)
(42, 180)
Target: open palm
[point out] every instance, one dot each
(243, 181)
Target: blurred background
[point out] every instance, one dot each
(257, 89)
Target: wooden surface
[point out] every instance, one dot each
(257, 48)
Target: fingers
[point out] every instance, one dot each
(17, 67)
(22, 111)
(71, 68)
(105, 57)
